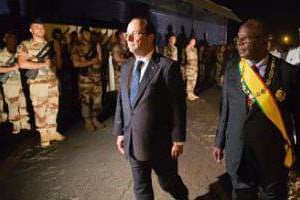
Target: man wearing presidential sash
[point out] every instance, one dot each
(256, 122)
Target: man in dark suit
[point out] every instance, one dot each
(256, 126)
(150, 118)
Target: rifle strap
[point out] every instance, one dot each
(42, 50)
(13, 56)
(93, 47)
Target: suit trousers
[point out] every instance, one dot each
(262, 166)
(167, 172)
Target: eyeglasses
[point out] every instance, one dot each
(134, 34)
(246, 40)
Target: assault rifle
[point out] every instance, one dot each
(91, 54)
(9, 63)
(40, 56)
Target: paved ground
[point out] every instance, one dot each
(87, 166)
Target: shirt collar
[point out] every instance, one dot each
(262, 62)
(146, 58)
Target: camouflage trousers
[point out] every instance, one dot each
(90, 91)
(3, 115)
(44, 96)
(294, 184)
(15, 99)
(191, 77)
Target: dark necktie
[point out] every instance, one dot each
(134, 86)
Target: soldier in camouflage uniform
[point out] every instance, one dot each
(12, 87)
(86, 57)
(120, 54)
(43, 87)
(170, 50)
(191, 69)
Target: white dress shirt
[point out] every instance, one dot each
(145, 60)
(261, 66)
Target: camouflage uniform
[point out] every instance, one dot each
(121, 51)
(294, 184)
(171, 52)
(43, 94)
(14, 97)
(191, 71)
(3, 115)
(90, 87)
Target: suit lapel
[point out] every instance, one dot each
(128, 71)
(150, 71)
(241, 98)
(242, 95)
(267, 74)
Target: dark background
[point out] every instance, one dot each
(283, 17)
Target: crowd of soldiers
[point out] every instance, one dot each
(32, 55)
(52, 76)
(202, 65)
(40, 63)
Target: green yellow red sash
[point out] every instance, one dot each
(258, 92)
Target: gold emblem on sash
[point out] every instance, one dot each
(280, 95)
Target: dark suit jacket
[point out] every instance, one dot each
(158, 116)
(237, 125)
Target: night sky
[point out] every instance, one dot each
(283, 16)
